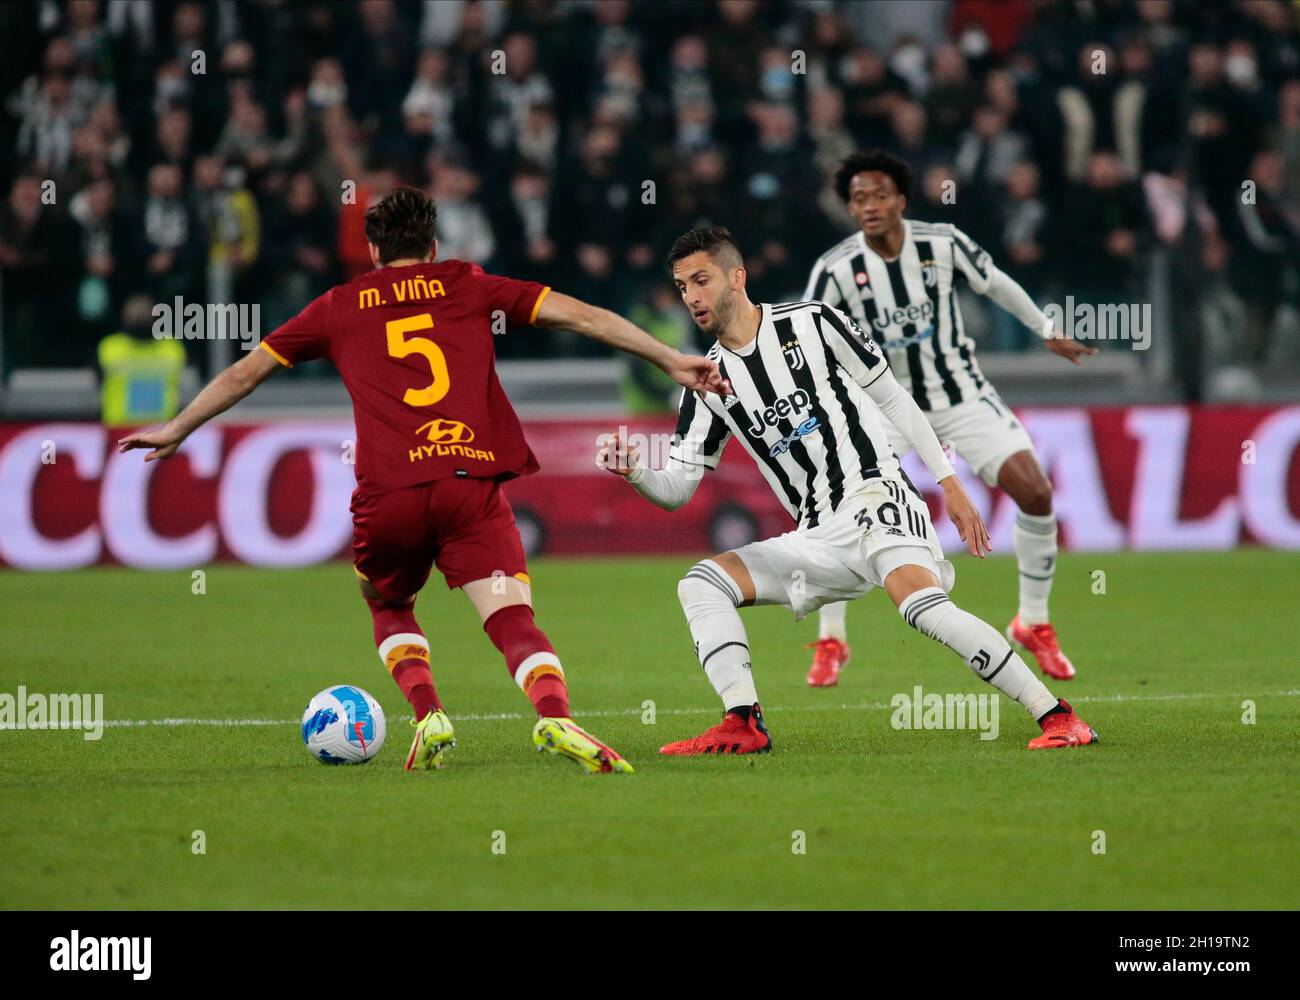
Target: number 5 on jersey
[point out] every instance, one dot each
(400, 347)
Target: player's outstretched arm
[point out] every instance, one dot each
(217, 396)
(898, 405)
(1011, 296)
(668, 488)
(567, 313)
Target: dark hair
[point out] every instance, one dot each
(402, 224)
(875, 159)
(711, 240)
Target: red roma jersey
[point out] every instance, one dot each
(414, 347)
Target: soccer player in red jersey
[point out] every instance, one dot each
(436, 436)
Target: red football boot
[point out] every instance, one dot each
(1041, 641)
(1063, 729)
(732, 735)
(828, 657)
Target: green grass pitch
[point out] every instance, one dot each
(1197, 807)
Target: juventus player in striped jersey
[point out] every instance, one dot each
(898, 278)
(808, 388)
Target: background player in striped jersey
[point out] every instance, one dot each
(898, 279)
(808, 391)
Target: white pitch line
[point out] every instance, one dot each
(616, 712)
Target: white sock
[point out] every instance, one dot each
(710, 598)
(1034, 540)
(931, 612)
(831, 621)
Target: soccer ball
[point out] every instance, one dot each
(343, 725)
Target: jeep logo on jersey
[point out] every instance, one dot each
(916, 313)
(782, 409)
(446, 432)
(793, 354)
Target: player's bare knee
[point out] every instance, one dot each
(1027, 484)
(734, 567)
(907, 580)
(492, 594)
(1036, 499)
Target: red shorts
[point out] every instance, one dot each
(463, 526)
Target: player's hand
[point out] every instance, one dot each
(697, 373)
(962, 513)
(163, 442)
(1072, 350)
(616, 455)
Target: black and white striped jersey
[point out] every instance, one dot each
(799, 408)
(909, 306)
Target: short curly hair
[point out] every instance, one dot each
(875, 159)
(402, 224)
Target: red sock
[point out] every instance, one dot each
(531, 659)
(405, 653)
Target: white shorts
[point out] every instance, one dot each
(984, 432)
(875, 531)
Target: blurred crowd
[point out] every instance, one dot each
(213, 148)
